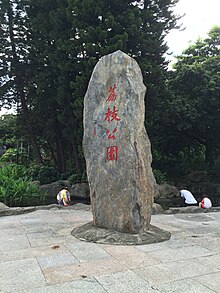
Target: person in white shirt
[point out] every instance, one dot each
(205, 203)
(189, 199)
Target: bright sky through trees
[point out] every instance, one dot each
(200, 17)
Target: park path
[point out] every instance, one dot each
(38, 254)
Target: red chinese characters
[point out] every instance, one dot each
(112, 95)
(111, 116)
(112, 153)
(111, 135)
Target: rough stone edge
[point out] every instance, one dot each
(23, 210)
(80, 206)
(191, 210)
(89, 233)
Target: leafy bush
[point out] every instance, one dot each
(74, 178)
(16, 188)
(44, 174)
(9, 156)
(159, 176)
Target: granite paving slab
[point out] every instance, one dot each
(211, 281)
(213, 260)
(50, 241)
(46, 258)
(20, 275)
(181, 253)
(89, 285)
(82, 270)
(173, 271)
(131, 257)
(31, 252)
(125, 282)
(11, 242)
(85, 251)
(56, 259)
(184, 286)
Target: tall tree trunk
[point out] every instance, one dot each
(209, 156)
(76, 156)
(17, 71)
(61, 163)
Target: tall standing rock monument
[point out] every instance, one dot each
(118, 155)
(116, 146)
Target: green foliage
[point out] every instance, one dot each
(57, 46)
(159, 176)
(8, 129)
(74, 178)
(9, 156)
(187, 129)
(44, 174)
(16, 188)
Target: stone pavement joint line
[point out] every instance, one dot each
(38, 254)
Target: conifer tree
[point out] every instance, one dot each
(14, 62)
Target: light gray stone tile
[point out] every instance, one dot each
(20, 275)
(78, 286)
(213, 260)
(56, 259)
(50, 241)
(86, 251)
(130, 256)
(211, 243)
(180, 253)
(85, 269)
(11, 231)
(211, 281)
(184, 286)
(173, 271)
(11, 242)
(4, 225)
(38, 235)
(125, 282)
(31, 252)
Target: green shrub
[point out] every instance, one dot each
(15, 187)
(44, 174)
(159, 176)
(9, 156)
(74, 178)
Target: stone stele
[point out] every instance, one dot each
(116, 146)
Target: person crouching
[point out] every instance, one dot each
(205, 203)
(63, 197)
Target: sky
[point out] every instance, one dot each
(200, 17)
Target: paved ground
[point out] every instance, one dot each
(39, 255)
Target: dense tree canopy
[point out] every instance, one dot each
(49, 49)
(191, 117)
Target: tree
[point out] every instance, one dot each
(54, 70)
(14, 63)
(61, 42)
(68, 38)
(195, 101)
(137, 28)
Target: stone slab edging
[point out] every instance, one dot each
(6, 211)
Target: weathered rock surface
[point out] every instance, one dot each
(156, 209)
(116, 146)
(3, 206)
(52, 189)
(168, 196)
(80, 190)
(99, 235)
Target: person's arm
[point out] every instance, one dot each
(202, 203)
